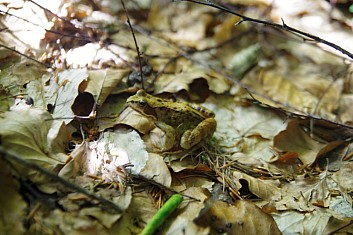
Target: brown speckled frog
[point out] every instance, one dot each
(184, 125)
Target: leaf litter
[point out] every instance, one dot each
(279, 161)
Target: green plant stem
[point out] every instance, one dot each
(161, 215)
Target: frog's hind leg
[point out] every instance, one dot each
(204, 129)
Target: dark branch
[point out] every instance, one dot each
(282, 26)
(9, 156)
(136, 45)
(28, 57)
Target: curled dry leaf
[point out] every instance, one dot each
(265, 189)
(244, 60)
(31, 133)
(68, 89)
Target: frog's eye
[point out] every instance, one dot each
(142, 103)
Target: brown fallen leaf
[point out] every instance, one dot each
(295, 139)
(243, 217)
(267, 190)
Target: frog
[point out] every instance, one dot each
(185, 125)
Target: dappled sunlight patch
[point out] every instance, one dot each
(115, 156)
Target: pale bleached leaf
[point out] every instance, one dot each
(101, 82)
(157, 170)
(68, 81)
(293, 222)
(108, 156)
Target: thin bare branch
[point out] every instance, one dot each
(282, 26)
(135, 41)
(10, 156)
(28, 57)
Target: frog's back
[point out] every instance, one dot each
(179, 115)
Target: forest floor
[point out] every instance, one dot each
(83, 152)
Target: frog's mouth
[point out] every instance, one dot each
(144, 110)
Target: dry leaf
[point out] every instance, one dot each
(282, 88)
(156, 170)
(32, 134)
(245, 129)
(344, 177)
(240, 218)
(12, 203)
(265, 189)
(295, 139)
(188, 211)
(68, 81)
(115, 155)
(136, 120)
(100, 83)
(182, 81)
(293, 222)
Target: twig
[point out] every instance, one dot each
(48, 30)
(10, 156)
(282, 26)
(136, 45)
(340, 228)
(50, 12)
(26, 56)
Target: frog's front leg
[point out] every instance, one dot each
(204, 129)
(170, 135)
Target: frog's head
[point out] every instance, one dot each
(142, 103)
